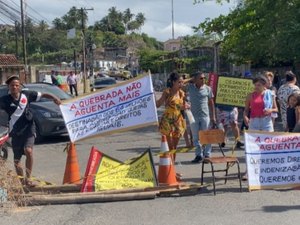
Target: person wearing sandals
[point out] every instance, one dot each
(203, 110)
(21, 125)
(172, 123)
(227, 117)
(261, 104)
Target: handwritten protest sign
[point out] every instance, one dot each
(106, 173)
(126, 106)
(273, 159)
(233, 91)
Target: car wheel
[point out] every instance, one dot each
(38, 137)
(3, 152)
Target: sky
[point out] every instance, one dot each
(157, 12)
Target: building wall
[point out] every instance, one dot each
(172, 45)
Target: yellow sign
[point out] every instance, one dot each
(112, 174)
(233, 91)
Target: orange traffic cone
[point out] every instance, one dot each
(166, 170)
(72, 174)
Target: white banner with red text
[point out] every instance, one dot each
(125, 106)
(273, 159)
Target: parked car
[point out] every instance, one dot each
(103, 82)
(125, 74)
(101, 74)
(120, 73)
(46, 114)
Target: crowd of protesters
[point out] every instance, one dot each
(261, 112)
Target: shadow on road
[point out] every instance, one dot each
(280, 208)
(139, 149)
(53, 140)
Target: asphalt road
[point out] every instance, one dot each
(229, 206)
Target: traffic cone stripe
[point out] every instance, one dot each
(164, 144)
(165, 161)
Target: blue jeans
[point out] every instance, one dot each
(200, 124)
(262, 123)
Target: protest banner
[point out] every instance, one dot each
(106, 173)
(273, 159)
(212, 82)
(233, 91)
(128, 105)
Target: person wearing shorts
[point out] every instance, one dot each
(21, 124)
(228, 117)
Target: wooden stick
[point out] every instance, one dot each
(84, 198)
(55, 188)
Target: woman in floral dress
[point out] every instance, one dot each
(172, 123)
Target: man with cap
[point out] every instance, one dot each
(21, 125)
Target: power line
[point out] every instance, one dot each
(14, 13)
(9, 15)
(9, 11)
(37, 13)
(3, 20)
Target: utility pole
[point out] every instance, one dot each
(23, 36)
(16, 37)
(75, 62)
(85, 84)
(172, 19)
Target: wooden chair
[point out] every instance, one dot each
(217, 136)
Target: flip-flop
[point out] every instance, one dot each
(178, 176)
(245, 178)
(29, 184)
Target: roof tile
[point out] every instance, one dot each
(8, 60)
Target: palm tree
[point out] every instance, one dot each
(43, 25)
(140, 18)
(127, 17)
(58, 24)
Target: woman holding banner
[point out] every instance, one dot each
(172, 123)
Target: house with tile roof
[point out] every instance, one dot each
(9, 65)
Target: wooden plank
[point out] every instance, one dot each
(54, 188)
(41, 198)
(49, 189)
(80, 198)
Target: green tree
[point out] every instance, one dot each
(194, 41)
(43, 26)
(120, 22)
(140, 19)
(111, 39)
(261, 31)
(151, 60)
(127, 17)
(73, 19)
(112, 22)
(58, 24)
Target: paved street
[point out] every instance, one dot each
(229, 206)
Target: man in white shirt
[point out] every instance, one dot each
(72, 82)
